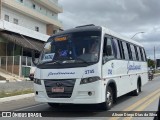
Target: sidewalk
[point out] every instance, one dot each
(13, 86)
(157, 74)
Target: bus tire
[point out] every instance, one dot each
(107, 105)
(54, 105)
(138, 90)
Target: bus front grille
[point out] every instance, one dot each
(67, 84)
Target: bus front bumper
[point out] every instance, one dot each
(90, 93)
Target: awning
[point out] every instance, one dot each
(23, 41)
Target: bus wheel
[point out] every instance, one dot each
(138, 90)
(54, 105)
(109, 99)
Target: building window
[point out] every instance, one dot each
(34, 6)
(54, 31)
(15, 21)
(37, 29)
(6, 18)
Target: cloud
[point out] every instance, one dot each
(123, 16)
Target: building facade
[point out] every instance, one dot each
(26, 24)
(37, 15)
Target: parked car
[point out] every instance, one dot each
(31, 75)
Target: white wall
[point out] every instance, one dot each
(4, 25)
(23, 20)
(41, 9)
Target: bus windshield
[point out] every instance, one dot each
(76, 47)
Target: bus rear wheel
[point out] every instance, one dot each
(138, 90)
(109, 99)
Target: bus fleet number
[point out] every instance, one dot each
(89, 71)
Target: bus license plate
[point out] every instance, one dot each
(58, 89)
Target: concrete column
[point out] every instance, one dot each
(0, 62)
(20, 66)
(0, 9)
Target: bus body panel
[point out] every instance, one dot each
(124, 77)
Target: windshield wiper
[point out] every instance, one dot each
(53, 61)
(77, 58)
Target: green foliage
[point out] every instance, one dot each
(151, 63)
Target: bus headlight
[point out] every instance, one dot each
(89, 80)
(37, 81)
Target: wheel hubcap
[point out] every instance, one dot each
(109, 98)
(138, 89)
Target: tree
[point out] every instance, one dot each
(151, 63)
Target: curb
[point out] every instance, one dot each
(7, 81)
(158, 74)
(17, 97)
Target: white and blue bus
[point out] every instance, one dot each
(89, 65)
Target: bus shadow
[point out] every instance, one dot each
(78, 110)
(83, 110)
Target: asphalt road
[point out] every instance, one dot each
(146, 101)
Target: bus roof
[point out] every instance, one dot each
(92, 27)
(117, 35)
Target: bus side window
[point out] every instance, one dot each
(139, 54)
(118, 55)
(133, 52)
(121, 49)
(129, 51)
(108, 49)
(125, 50)
(137, 57)
(144, 54)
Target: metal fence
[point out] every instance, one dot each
(19, 65)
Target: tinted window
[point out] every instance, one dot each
(137, 57)
(129, 51)
(133, 52)
(117, 49)
(125, 50)
(122, 50)
(144, 54)
(108, 51)
(70, 48)
(139, 54)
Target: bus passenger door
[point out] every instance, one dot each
(108, 58)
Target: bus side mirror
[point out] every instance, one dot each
(34, 60)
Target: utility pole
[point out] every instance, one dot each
(154, 59)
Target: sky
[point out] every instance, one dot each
(125, 17)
